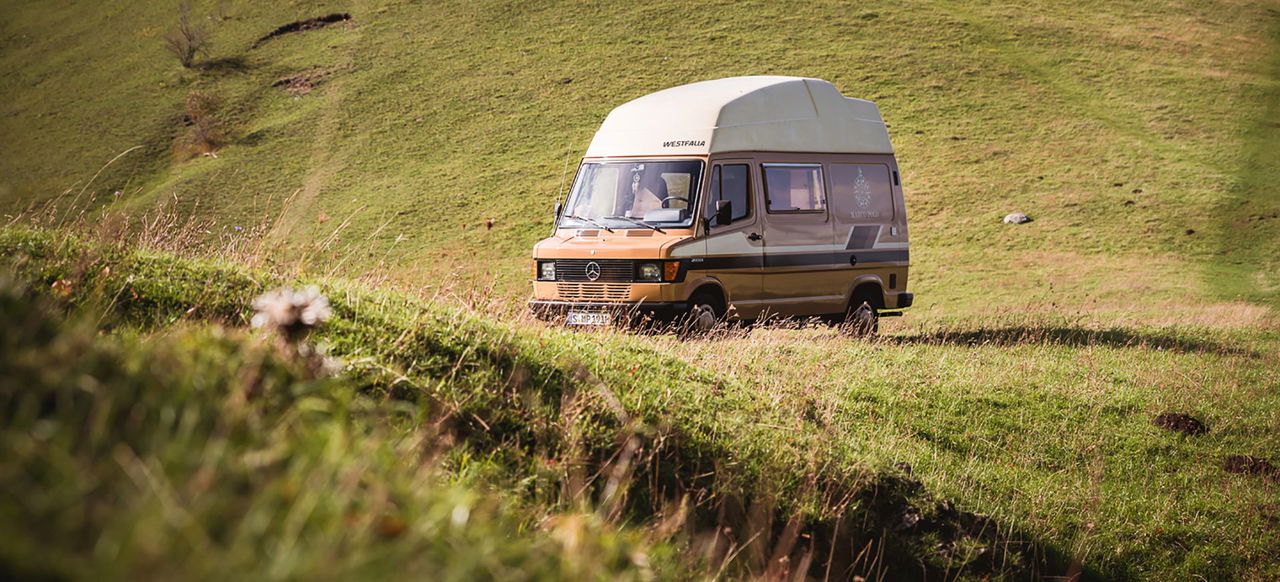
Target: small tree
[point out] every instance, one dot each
(189, 40)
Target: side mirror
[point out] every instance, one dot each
(724, 212)
(559, 208)
(555, 220)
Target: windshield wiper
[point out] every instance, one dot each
(639, 222)
(585, 219)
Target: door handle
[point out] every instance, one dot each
(754, 236)
(853, 260)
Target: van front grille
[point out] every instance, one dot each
(610, 270)
(594, 291)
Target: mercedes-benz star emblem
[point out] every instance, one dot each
(593, 270)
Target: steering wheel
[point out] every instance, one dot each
(682, 199)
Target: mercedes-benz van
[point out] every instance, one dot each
(731, 199)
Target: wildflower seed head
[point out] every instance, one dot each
(292, 312)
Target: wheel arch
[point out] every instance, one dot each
(865, 286)
(709, 285)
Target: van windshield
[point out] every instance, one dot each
(633, 194)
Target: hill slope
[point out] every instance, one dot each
(1011, 412)
(1140, 136)
(174, 438)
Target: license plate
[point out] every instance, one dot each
(588, 318)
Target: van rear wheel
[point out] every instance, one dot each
(861, 318)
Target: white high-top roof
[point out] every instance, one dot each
(743, 114)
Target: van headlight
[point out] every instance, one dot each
(546, 270)
(649, 272)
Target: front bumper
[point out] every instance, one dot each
(660, 310)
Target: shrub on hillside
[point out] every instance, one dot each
(188, 40)
(205, 132)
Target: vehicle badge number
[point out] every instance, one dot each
(593, 270)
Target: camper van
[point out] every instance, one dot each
(732, 199)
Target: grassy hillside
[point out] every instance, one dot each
(174, 444)
(1008, 449)
(1140, 136)
(1004, 428)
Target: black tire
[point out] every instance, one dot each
(706, 310)
(862, 318)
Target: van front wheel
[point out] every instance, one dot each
(705, 311)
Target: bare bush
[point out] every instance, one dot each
(189, 40)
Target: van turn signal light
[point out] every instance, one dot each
(669, 270)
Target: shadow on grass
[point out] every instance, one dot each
(1248, 215)
(1018, 335)
(233, 64)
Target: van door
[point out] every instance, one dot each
(864, 212)
(734, 257)
(801, 276)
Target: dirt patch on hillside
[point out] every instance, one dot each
(1246, 465)
(302, 83)
(303, 25)
(1178, 422)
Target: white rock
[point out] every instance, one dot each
(1017, 218)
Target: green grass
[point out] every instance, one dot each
(1050, 427)
(439, 116)
(200, 453)
(1029, 439)
(1020, 387)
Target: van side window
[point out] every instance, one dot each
(861, 191)
(731, 182)
(794, 188)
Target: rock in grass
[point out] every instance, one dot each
(1183, 423)
(1017, 218)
